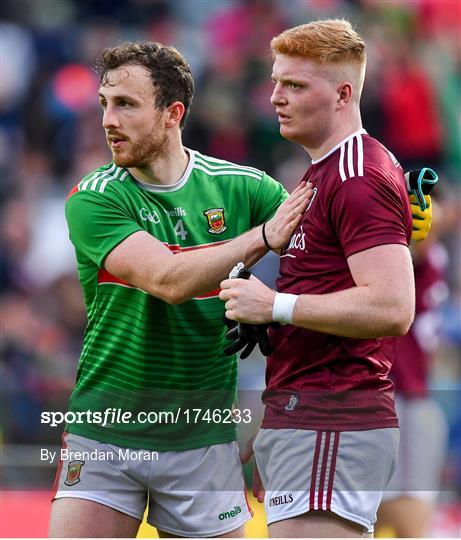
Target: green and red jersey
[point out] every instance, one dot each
(141, 354)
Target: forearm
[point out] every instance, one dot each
(146, 263)
(196, 272)
(358, 312)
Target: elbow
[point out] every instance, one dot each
(173, 298)
(163, 285)
(166, 288)
(399, 328)
(170, 295)
(400, 322)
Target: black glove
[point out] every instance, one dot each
(245, 336)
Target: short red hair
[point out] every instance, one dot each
(329, 41)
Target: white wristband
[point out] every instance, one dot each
(284, 305)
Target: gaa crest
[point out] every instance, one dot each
(73, 472)
(215, 217)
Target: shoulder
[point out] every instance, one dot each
(214, 167)
(100, 181)
(364, 156)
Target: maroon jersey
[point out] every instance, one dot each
(413, 352)
(321, 381)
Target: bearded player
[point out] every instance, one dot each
(139, 226)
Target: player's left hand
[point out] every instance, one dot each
(281, 226)
(422, 219)
(247, 300)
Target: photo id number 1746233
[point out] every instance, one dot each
(217, 416)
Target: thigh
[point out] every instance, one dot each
(199, 493)
(316, 524)
(80, 518)
(93, 471)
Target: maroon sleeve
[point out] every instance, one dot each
(369, 211)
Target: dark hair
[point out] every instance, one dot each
(171, 74)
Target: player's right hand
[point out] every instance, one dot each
(245, 336)
(281, 226)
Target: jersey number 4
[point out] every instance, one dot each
(180, 230)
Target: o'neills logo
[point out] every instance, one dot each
(231, 514)
(281, 499)
(73, 472)
(215, 217)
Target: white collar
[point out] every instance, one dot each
(359, 132)
(158, 188)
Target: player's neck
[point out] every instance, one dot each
(165, 169)
(343, 131)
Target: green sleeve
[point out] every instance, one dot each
(268, 196)
(97, 223)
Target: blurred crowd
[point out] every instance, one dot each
(51, 136)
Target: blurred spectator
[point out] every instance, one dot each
(412, 126)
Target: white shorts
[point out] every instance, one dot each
(344, 472)
(423, 445)
(192, 493)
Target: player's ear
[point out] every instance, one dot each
(175, 112)
(344, 93)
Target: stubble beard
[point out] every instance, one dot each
(149, 149)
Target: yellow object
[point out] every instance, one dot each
(385, 532)
(422, 220)
(255, 528)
